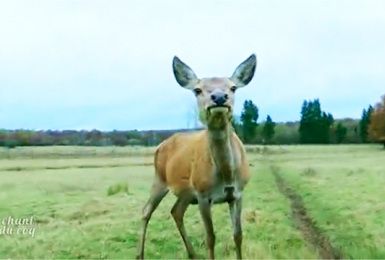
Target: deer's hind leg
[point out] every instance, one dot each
(158, 191)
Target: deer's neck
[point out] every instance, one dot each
(221, 149)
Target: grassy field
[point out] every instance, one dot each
(302, 202)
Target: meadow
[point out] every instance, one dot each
(302, 202)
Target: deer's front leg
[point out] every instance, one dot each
(205, 210)
(235, 214)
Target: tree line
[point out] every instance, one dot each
(13, 138)
(314, 127)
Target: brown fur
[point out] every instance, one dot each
(184, 162)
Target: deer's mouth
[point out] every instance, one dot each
(218, 116)
(218, 109)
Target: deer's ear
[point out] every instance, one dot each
(244, 73)
(184, 75)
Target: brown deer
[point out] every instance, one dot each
(204, 167)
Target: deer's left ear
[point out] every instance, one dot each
(244, 73)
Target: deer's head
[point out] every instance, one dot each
(215, 96)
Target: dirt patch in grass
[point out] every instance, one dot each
(90, 209)
(90, 166)
(265, 149)
(304, 222)
(310, 172)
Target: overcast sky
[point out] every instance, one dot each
(107, 64)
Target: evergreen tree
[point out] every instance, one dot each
(364, 123)
(249, 119)
(314, 124)
(268, 129)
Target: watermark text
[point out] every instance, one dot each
(17, 226)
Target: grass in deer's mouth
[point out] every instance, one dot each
(218, 108)
(218, 111)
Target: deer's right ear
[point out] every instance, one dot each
(184, 75)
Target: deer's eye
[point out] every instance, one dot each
(233, 89)
(197, 91)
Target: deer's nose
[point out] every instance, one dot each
(219, 98)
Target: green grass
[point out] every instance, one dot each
(343, 189)
(87, 202)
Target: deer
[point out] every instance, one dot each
(205, 167)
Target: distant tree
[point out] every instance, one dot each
(94, 137)
(119, 138)
(364, 123)
(376, 127)
(268, 129)
(135, 138)
(249, 118)
(3, 137)
(286, 133)
(340, 132)
(352, 135)
(151, 138)
(314, 124)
